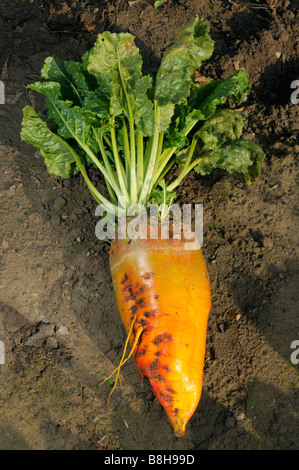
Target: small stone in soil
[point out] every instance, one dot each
(221, 327)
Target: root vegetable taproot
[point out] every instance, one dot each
(164, 290)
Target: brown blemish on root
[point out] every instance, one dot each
(133, 309)
(148, 275)
(164, 397)
(124, 279)
(133, 292)
(159, 377)
(154, 365)
(129, 296)
(151, 314)
(170, 390)
(141, 352)
(162, 338)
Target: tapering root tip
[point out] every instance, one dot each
(178, 425)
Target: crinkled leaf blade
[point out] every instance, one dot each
(116, 57)
(236, 86)
(225, 125)
(205, 99)
(70, 76)
(73, 122)
(59, 157)
(175, 74)
(142, 107)
(242, 156)
(98, 100)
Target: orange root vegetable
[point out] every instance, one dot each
(163, 296)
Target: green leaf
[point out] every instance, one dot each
(166, 113)
(205, 99)
(110, 382)
(98, 100)
(243, 156)
(223, 126)
(200, 92)
(175, 135)
(73, 122)
(52, 91)
(158, 5)
(59, 156)
(69, 74)
(76, 86)
(175, 74)
(236, 86)
(116, 57)
(143, 107)
(219, 126)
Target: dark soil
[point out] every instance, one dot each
(59, 322)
